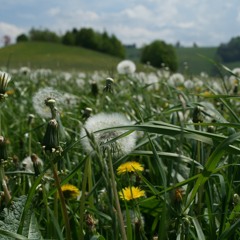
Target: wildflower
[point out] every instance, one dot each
(4, 80)
(42, 100)
(123, 145)
(178, 194)
(130, 193)
(129, 167)
(126, 67)
(206, 94)
(70, 191)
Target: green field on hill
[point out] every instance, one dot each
(61, 57)
(55, 56)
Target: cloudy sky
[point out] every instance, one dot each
(205, 22)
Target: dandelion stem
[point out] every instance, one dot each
(82, 202)
(4, 185)
(115, 193)
(30, 140)
(62, 201)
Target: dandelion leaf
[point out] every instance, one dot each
(10, 219)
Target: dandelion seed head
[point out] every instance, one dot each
(43, 96)
(123, 145)
(126, 67)
(176, 80)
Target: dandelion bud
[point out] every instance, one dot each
(94, 88)
(108, 87)
(197, 115)
(235, 89)
(3, 149)
(236, 199)
(32, 164)
(51, 138)
(30, 119)
(87, 112)
(37, 164)
(50, 102)
(211, 129)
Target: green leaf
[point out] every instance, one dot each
(4, 234)
(211, 164)
(33, 230)
(10, 220)
(198, 229)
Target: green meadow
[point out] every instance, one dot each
(59, 57)
(92, 148)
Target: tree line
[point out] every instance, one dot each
(83, 37)
(230, 52)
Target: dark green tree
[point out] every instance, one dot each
(158, 53)
(87, 38)
(230, 52)
(43, 35)
(69, 38)
(22, 38)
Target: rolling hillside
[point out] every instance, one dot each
(199, 59)
(55, 56)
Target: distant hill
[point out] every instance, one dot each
(198, 59)
(55, 56)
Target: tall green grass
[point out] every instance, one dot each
(188, 143)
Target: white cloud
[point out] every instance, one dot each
(138, 12)
(53, 12)
(10, 30)
(142, 21)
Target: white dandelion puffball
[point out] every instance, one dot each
(121, 146)
(126, 67)
(176, 80)
(39, 101)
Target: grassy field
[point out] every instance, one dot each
(55, 56)
(145, 156)
(60, 57)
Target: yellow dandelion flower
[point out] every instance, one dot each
(130, 193)
(129, 167)
(70, 191)
(207, 94)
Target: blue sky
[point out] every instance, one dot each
(205, 22)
